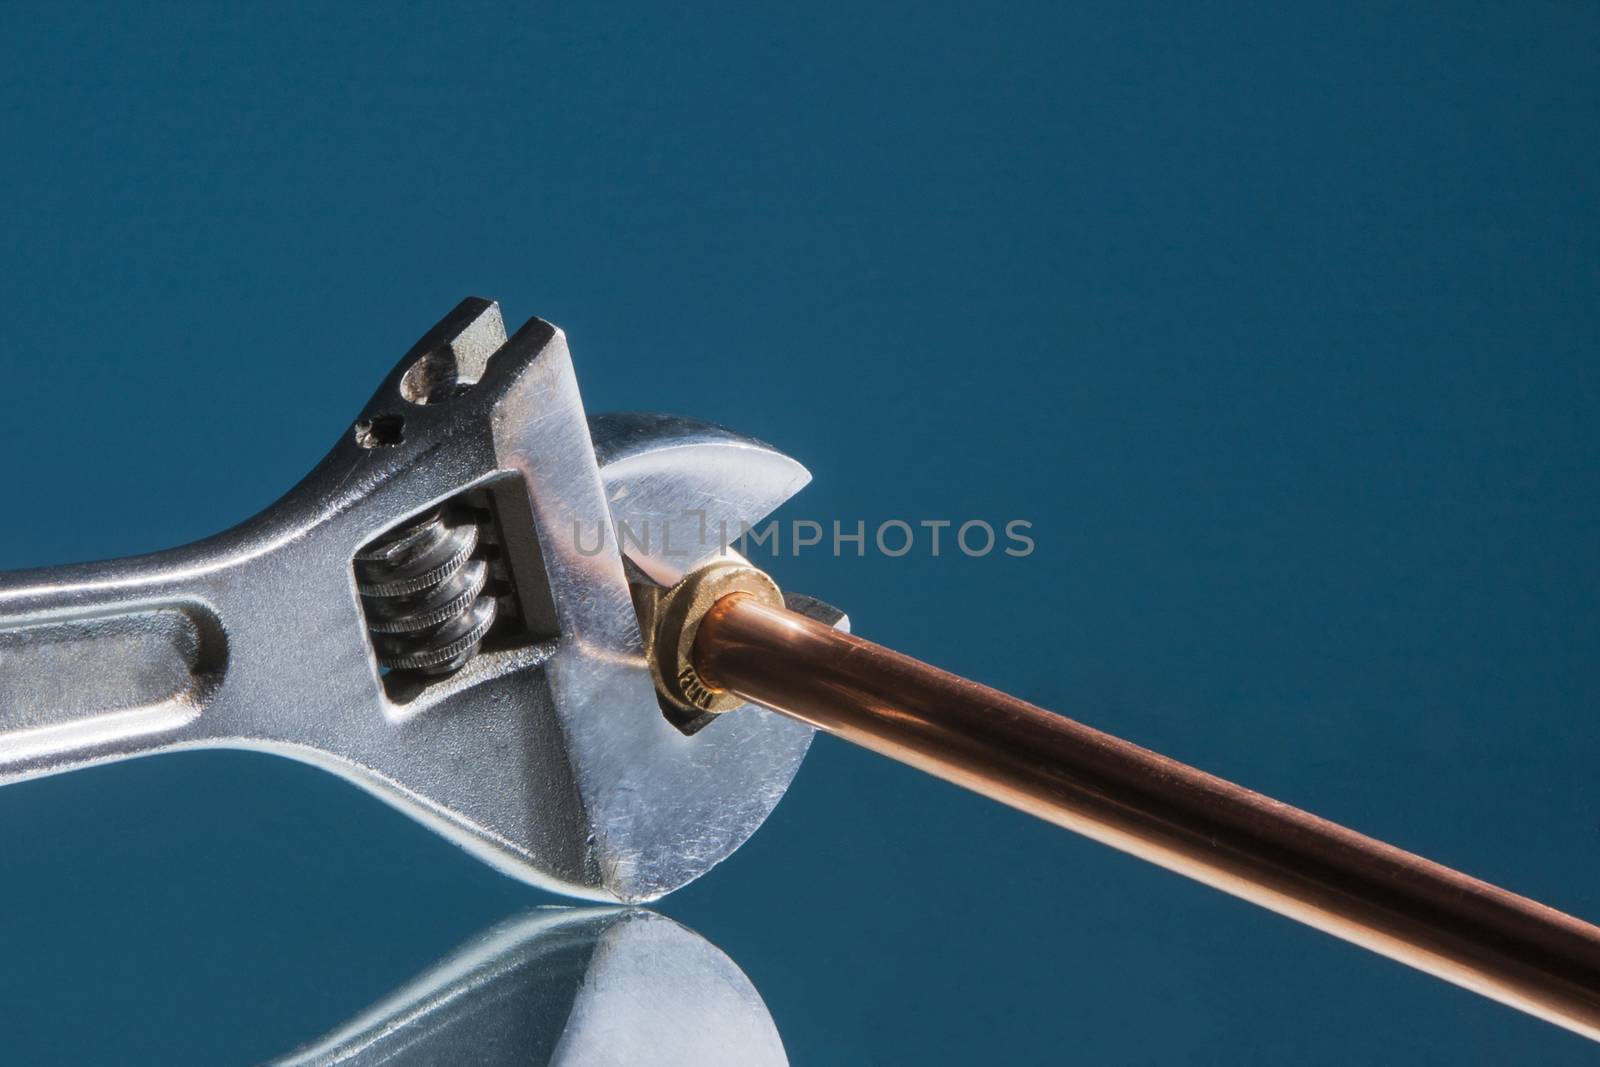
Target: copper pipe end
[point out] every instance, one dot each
(1439, 920)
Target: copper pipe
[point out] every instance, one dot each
(1441, 921)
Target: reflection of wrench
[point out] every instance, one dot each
(440, 613)
(565, 988)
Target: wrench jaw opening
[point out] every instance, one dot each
(660, 808)
(546, 752)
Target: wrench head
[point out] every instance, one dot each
(548, 755)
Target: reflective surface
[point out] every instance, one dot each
(565, 988)
(1278, 324)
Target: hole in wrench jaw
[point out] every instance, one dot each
(454, 354)
(380, 431)
(433, 379)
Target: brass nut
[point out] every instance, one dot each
(677, 614)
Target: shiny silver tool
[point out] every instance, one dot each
(440, 613)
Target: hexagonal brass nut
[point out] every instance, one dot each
(671, 618)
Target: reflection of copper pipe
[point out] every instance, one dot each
(1496, 943)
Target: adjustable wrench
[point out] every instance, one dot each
(440, 613)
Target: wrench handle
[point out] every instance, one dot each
(100, 662)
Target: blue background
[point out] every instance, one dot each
(1280, 325)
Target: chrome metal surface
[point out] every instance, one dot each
(547, 757)
(565, 988)
(1441, 921)
(666, 476)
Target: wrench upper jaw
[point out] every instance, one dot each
(680, 491)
